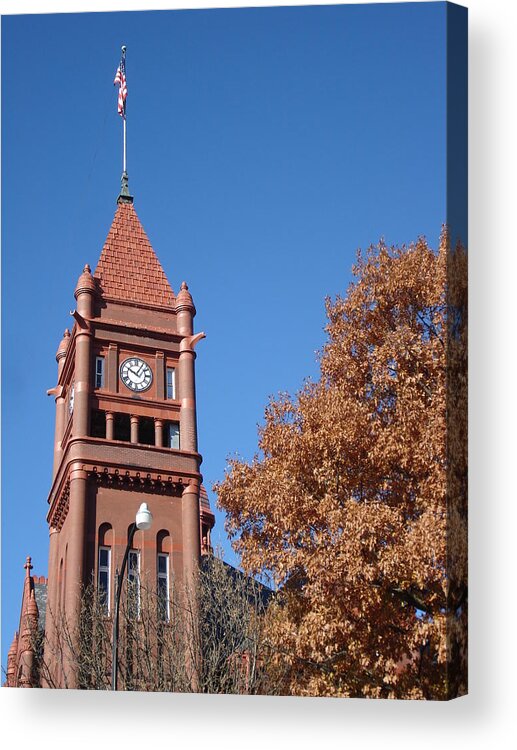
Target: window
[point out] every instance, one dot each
(171, 385)
(99, 372)
(133, 583)
(122, 427)
(98, 423)
(146, 430)
(172, 435)
(103, 577)
(162, 568)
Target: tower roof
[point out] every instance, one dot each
(128, 269)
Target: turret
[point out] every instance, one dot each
(185, 311)
(11, 663)
(61, 352)
(28, 627)
(84, 293)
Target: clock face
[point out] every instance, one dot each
(136, 374)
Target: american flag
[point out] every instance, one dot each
(120, 78)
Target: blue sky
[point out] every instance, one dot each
(264, 147)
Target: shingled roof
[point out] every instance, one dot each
(128, 269)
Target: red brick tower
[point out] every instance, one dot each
(125, 428)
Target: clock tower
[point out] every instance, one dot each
(126, 429)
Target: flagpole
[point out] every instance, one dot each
(124, 165)
(120, 78)
(124, 162)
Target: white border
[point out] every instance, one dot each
(56, 719)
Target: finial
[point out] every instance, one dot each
(184, 300)
(63, 345)
(85, 282)
(28, 566)
(124, 196)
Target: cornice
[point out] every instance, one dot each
(155, 465)
(143, 340)
(164, 407)
(139, 305)
(135, 329)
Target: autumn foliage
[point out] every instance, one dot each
(356, 501)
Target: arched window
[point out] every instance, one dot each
(163, 550)
(104, 566)
(105, 534)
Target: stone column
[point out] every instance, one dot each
(84, 294)
(76, 523)
(185, 312)
(110, 427)
(187, 396)
(158, 432)
(134, 428)
(82, 385)
(187, 393)
(61, 412)
(160, 375)
(190, 526)
(52, 615)
(188, 442)
(112, 368)
(191, 557)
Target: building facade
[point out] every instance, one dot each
(125, 433)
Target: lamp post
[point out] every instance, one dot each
(143, 521)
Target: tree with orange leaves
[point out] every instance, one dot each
(356, 501)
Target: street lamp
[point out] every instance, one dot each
(143, 521)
